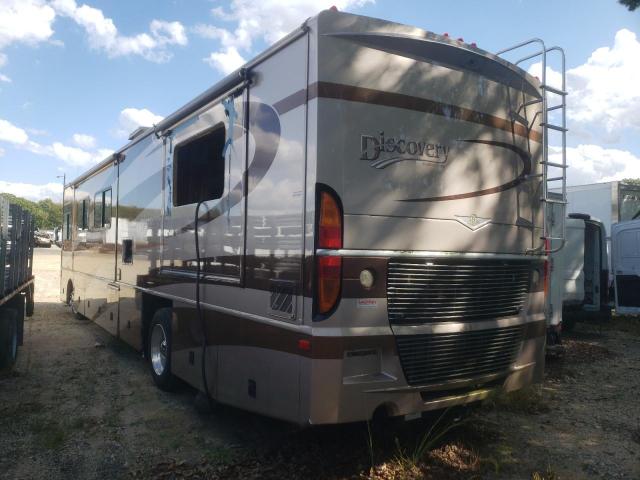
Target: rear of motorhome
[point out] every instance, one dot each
(349, 225)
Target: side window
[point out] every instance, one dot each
(106, 208)
(83, 220)
(198, 168)
(97, 210)
(67, 222)
(102, 209)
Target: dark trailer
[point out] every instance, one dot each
(16, 277)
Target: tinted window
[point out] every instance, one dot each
(83, 221)
(198, 168)
(629, 202)
(97, 210)
(102, 209)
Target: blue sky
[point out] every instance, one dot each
(76, 78)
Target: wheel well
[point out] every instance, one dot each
(150, 304)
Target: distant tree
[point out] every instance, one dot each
(632, 181)
(630, 4)
(47, 213)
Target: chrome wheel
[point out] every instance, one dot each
(158, 349)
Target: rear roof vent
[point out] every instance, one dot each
(137, 132)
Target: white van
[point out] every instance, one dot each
(585, 267)
(625, 254)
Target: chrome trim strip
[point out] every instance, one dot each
(172, 272)
(344, 252)
(434, 387)
(229, 311)
(460, 399)
(456, 327)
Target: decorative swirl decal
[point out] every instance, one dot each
(264, 125)
(526, 170)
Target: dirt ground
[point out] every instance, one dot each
(80, 404)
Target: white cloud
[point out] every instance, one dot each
(3, 59)
(25, 21)
(84, 141)
(4, 78)
(103, 33)
(604, 97)
(593, 163)
(132, 118)
(12, 134)
(70, 155)
(268, 20)
(605, 90)
(1, 152)
(32, 191)
(226, 61)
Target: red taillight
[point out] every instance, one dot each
(329, 222)
(328, 268)
(329, 280)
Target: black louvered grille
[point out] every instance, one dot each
(423, 290)
(436, 358)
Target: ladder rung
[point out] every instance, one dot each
(554, 179)
(551, 238)
(534, 175)
(555, 107)
(551, 200)
(554, 127)
(553, 90)
(531, 102)
(519, 118)
(554, 164)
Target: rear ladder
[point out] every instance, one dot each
(549, 180)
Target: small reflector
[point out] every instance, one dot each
(304, 345)
(445, 34)
(334, 8)
(473, 44)
(460, 39)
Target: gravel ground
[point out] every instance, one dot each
(80, 404)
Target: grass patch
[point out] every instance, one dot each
(50, 435)
(548, 474)
(527, 400)
(626, 324)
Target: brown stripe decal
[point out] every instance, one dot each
(227, 329)
(399, 100)
(292, 101)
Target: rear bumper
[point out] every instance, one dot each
(340, 398)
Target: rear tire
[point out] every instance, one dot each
(160, 343)
(568, 324)
(30, 301)
(8, 338)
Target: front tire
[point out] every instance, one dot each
(159, 342)
(8, 338)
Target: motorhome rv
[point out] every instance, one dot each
(625, 254)
(349, 225)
